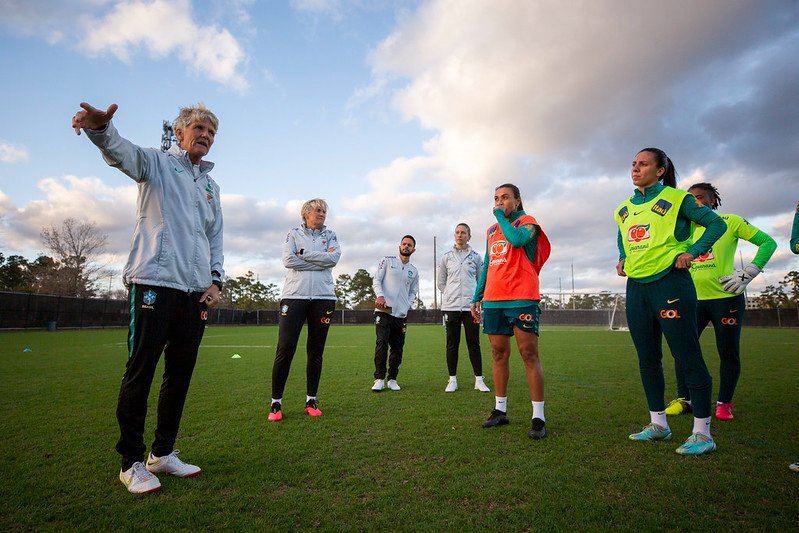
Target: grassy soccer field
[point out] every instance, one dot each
(416, 459)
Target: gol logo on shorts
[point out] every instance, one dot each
(729, 321)
(325, 320)
(638, 233)
(669, 313)
(526, 317)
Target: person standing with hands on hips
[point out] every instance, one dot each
(174, 273)
(457, 278)
(396, 285)
(719, 289)
(507, 297)
(310, 252)
(655, 253)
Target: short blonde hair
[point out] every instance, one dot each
(196, 113)
(312, 205)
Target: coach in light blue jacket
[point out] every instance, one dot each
(310, 252)
(457, 276)
(396, 285)
(174, 273)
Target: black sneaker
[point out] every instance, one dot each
(496, 418)
(538, 431)
(275, 413)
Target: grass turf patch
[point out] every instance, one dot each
(416, 459)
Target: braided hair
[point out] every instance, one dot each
(711, 190)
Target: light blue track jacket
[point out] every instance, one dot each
(310, 273)
(398, 283)
(177, 240)
(457, 278)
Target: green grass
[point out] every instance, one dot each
(410, 460)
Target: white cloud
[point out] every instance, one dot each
(320, 7)
(558, 97)
(121, 28)
(163, 28)
(12, 153)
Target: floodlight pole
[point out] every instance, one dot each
(435, 277)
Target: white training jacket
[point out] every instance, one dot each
(177, 241)
(309, 264)
(457, 278)
(398, 283)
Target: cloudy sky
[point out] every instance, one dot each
(405, 115)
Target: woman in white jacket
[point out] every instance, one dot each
(310, 252)
(457, 277)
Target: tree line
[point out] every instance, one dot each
(73, 268)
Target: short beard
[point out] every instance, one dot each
(403, 254)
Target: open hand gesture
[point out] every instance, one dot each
(92, 118)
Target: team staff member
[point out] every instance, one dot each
(507, 297)
(396, 285)
(721, 300)
(310, 252)
(795, 249)
(655, 252)
(457, 279)
(174, 272)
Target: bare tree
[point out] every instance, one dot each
(76, 246)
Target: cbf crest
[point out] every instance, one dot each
(148, 299)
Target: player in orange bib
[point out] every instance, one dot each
(506, 298)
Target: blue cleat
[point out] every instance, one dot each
(697, 444)
(652, 432)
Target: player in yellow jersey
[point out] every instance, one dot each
(719, 289)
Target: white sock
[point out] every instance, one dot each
(702, 425)
(501, 403)
(278, 400)
(309, 398)
(453, 378)
(538, 410)
(478, 378)
(659, 418)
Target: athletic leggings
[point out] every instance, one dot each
(667, 307)
(471, 330)
(293, 314)
(726, 315)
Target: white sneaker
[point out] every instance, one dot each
(379, 385)
(170, 464)
(393, 385)
(480, 385)
(452, 386)
(138, 480)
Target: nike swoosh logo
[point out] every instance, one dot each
(329, 312)
(638, 213)
(672, 301)
(733, 310)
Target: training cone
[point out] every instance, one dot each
(236, 356)
(27, 350)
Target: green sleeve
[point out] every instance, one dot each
(481, 280)
(619, 243)
(517, 237)
(704, 216)
(766, 246)
(795, 232)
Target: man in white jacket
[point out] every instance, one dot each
(174, 273)
(396, 285)
(457, 276)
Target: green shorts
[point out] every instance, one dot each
(500, 321)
